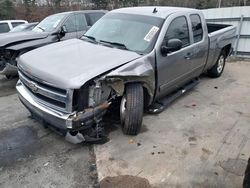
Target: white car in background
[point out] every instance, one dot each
(7, 25)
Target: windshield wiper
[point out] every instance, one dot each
(123, 46)
(41, 28)
(90, 37)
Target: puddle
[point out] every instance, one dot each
(17, 144)
(124, 181)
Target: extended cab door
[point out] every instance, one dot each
(173, 69)
(200, 43)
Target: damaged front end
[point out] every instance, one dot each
(88, 126)
(8, 63)
(88, 104)
(107, 89)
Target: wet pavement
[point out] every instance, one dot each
(32, 156)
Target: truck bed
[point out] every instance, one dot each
(211, 27)
(220, 35)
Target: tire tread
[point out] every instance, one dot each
(134, 109)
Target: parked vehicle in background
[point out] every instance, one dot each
(24, 27)
(54, 28)
(141, 57)
(7, 25)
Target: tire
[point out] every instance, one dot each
(131, 109)
(219, 66)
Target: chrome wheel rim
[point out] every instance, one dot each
(221, 63)
(123, 109)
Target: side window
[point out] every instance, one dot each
(4, 27)
(196, 27)
(178, 29)
(93, 17)
(81, 23)
(14, 24)
(70, 24)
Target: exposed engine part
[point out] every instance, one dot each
(98, 93)
(117, 85)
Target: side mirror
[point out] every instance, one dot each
(63, 31)
(171, 46)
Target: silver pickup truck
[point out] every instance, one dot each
(139, 58)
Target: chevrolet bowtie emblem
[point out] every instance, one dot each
(33, 86)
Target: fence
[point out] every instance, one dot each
(238, 16)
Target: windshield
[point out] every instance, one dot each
(134, 32)
(49, 23)
(19, 28)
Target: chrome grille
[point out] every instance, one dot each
(46, 94)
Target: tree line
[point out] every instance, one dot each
(36, 10)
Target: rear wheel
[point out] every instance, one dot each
(219, 66)
(131, 109)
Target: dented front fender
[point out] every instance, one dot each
(140, 70)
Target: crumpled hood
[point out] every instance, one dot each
(15, 37)
(71, 63)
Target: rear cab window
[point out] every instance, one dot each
(14, 24)
(196, 27)
(4, 27)
(93, 17)
(178, 29)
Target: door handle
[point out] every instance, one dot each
(188, 56)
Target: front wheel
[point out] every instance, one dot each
(131, 109)
(219, 66)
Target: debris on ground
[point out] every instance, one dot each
(190, 105)
(125, 181)
(131, 141)
(46, 164)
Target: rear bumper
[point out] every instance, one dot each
(63, 122)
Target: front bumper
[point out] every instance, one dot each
(63, 122)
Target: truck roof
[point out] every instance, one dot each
(13, 21)
(83, 11)
(162, 12)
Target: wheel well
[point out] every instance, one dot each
(146, 97)
(227, 49)
(145, 94)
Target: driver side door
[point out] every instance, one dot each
(174, 68)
